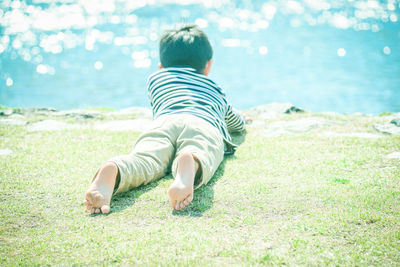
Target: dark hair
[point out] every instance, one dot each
(187, 46)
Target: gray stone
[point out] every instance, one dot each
(359, 135)
(78, 113)
(272, 110)
(394, 155)
(396, 122)
(296, 126)
(5, 152)
(359, 114)
(330, 113)
(6, 112)
(51, 125)
(136, 125)
(388, 128)
(138, 111)
(293, 109)
(13, 122)
(36, 111)
(17, 117)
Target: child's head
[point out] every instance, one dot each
(187, 46)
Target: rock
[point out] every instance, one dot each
(396, 122)
(6, 112)
(360, 135)
(394, 155)
(17, 117)
(293, 109)
(51, 125)
(79, 114)
(296, 126)
(138, 111)
(273, 110)
(36, 111)
(5, 152)
(136, 125)
(13, 122)
(331, 113)
(388, 128)
(360, 114)
(44, 109)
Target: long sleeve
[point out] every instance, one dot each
(234, 120)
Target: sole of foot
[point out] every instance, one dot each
(181, 191)
(98, 197)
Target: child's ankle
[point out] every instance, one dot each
(108, 173)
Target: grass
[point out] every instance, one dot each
(287, 200)
(385, 114)
(104, 109)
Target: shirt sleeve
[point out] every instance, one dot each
(234, 120)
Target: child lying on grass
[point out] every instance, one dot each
(190, 132)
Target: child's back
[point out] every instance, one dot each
(184, 90)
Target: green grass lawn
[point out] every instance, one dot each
(287, 200)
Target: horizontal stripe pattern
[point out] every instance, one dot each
(183, 90)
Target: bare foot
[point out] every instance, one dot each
(98, 196)
(181, 191)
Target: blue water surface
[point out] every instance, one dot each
(339, 56)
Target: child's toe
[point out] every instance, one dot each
(105, 209)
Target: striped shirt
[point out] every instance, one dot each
(183, 90)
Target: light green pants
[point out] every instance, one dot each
(156, 150)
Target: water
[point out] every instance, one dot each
(340, 56)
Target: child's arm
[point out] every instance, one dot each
(234, 120)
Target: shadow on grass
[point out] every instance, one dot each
(125, 200)
(203, 197)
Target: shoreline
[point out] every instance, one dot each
(273, 106)
(273, 119)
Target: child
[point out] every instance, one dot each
(189, 134)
